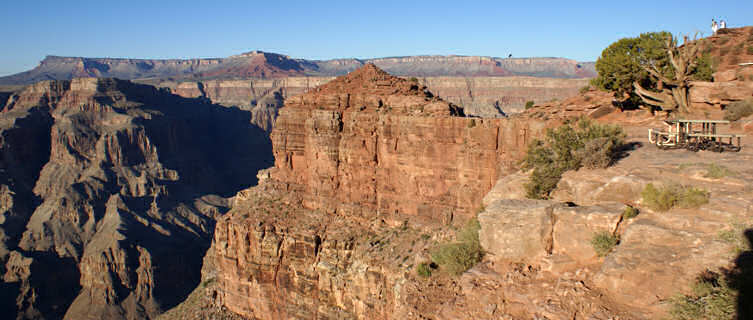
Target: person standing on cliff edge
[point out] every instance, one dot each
(722, 24)
(714, 26)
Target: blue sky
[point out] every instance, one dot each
(339, 29)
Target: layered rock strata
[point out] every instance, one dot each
(266, 65)
(354, 159)
(487, 97)
(109, 191)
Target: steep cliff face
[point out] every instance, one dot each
(265, 65)
(385, 144)
(109, 194)
(356, 159)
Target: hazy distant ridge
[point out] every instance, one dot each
(263, 65)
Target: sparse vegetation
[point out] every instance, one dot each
(716, 171)
(604, 242)
(459, 256)
(529, 104)
(413, 79)
(570, 147)
(738, 110)
(424, 269)
(750, 50)
(736, 237)
(584, 89)
(711, 298)
(630, 212)
(673, 195)
(717, 295)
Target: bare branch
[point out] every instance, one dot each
(660, 99)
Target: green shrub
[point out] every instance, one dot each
(630, 212)
(529, 104)
(459, 256)
(604, 242)
(424, 269)
(667, 197)
(570, 147)
(413, 79)
(712, 298)
(738, 110)
(750, 49)
(584, 89)
(715, 171)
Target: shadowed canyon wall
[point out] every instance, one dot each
(109, 194)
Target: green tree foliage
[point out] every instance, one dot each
(569, 147)
(652, 68)
(620, 64)
(703, 70)
(529, 104)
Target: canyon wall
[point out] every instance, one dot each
(110, 191)
(265, 65)
(488, 97)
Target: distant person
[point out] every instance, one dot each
(714, 26)
(723, 24)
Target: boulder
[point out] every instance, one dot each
(517, 230)
(656, 260)
(576, 226)
(586, 187)
(511, 186)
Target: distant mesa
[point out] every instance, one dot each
(266, 65)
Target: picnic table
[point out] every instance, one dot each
(694, 135)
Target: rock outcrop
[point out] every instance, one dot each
(373, 144)
(109, 192)
(356, 159)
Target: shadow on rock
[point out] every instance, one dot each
(143, 249)
(741, 279)
(215, 149)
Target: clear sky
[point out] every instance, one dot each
(160, 29)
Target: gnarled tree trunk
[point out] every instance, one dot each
(672, 95)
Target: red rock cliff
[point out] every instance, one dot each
(371, 144)
(353, 157)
